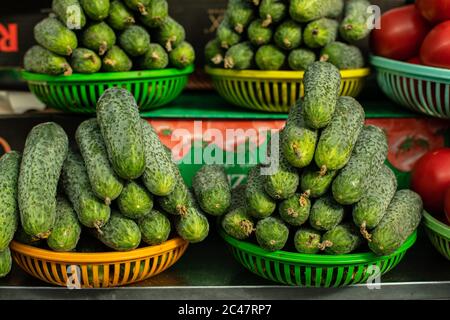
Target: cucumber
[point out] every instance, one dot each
(342, 239)
(104, 181)
(301, 59)
(9, 210)
(155, 228)
(307, 240)
(119, 17)
(295, 210)
(45, 150)
(170, 34)
(316, 183)
(259, 204)
(240, 13)
(55, 36)
(320, 32)
(272, 11)
(91, 212)
(120, 233)
(322, 83)
(160, 175)
(135, 41)
(270, 57)
(156, 58)
(67, 229)
(354, 26)
(138, 5)
(237, 222)
(120, 124)
(40, 60)
(337, 141)
(309, 10)
(70, 13)
(182, 56)
(239, 56)
(298, 142)
(96, 10)
(214, 53)
(227, 36)
(368, 156)
(369, 211)
(258, 34)
(98, 37)
(288, 35)
(342, 55)
(85, 61)
(283, 182)
(135, 202)
(5, 262)
(157, 12)
(192, 226)
(212, 189)
(326, 214)
(400, 220)
(271, 234)
(116, 60)
(23, 237)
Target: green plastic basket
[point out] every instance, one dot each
(416, 87)
(79, 92)
(314, 270)
(439, 234)
(274, 91)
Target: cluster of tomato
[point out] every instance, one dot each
(418, 33)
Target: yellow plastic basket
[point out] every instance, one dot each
(274, 91)
(97, 270)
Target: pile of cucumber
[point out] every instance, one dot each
(290, 34)
(331, 189)
(89, 36)
(118, 185)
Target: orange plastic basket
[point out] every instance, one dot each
(97, 270)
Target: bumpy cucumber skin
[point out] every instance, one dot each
(157, 12)
(237, 222)
(170, 34)
(160, 175)
(155, 228)
(368, 156)
(120, 124)
(354, 25)
(295, 210)
(5, 262)
(40, 60)
(272, 11)
(301, 59)
(371, 208)
(212, 189)
(54, 36)
(178, 201)
(259, 204)
(104, 181)
(401, 219)
(309, 10)
(66, 231)
(342, 55)
(120, 233)
(91, 211)
(227, 36)
(326, 214)
(137, 5)
(288, 35)
(155, 58)
(298, 142)
(9, 210)
(96, 10)
(192, 226)
(70, 13)
(119, 16)
(315, 183)
(135, 40)
(283, 183)
(270, 57)
(45, 150)
(135, 201)
(258, 34)
(342, 239)
(85, 61)
(98, 37)
(214, 53)
(116, 60)
(240, 13)
(182, 56)
(322, 85)
(271, 234)
(321, 32)
(337, 141)
(307, 240)
(239, 56)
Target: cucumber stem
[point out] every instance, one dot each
(323, 170)
(142, 9)
(217, 59)
(326, 244)
(102, 49)
(239, 28)
(364, 232)
(267, 22)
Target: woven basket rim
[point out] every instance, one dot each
(436, 226)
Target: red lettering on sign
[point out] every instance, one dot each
(9, 38)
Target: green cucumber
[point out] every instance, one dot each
(320, 32)
(337, 141)
(155, 58)
(104, 181)
(342, 239)
(5, 262)
(96, 10)
(120, 233)
(116, 60)
(239, 56)
(269, 57)
(182, 56)
(322, 83)
(272, 11)
(70, 13)
(155, 228)
(226, 34)
(237, 222)
(138, 5)
(342, 55)
(85, 61)
(368, 156)
(258, 34)
(240, 13)
(119, 17)
(157, 12)
(259, 204)
(214, 53)
(295, 210)
(354, 26)
(271, 234)
(288, 35)
(301, 59)
(170, 34)
(326, 214)
(98, 37)
(135, 41)
(316, 183)
(283, 182)
(192, 226)
(135, 201)
(400, 220)
(9, 210)
(45, 150)
(40, 60)
(309, 10)
(120, 124)
(307, 240)
(55, 36)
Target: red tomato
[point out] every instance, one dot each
(431, 178)
(415, 60)
(435, 49)
(447, 206)
(434, 11)
(402, 32)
